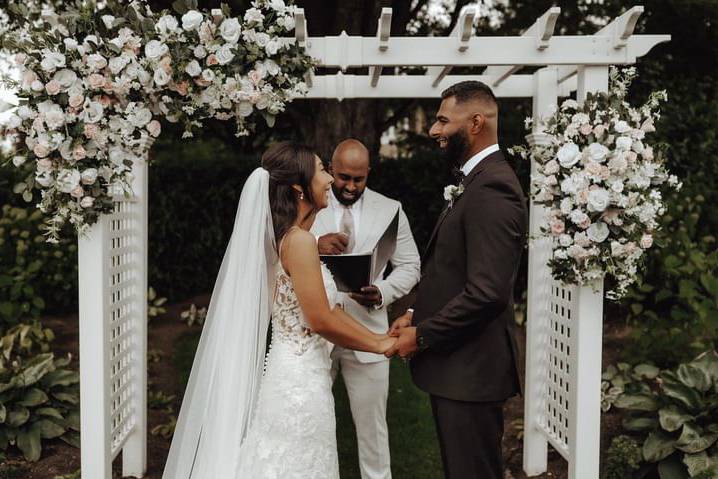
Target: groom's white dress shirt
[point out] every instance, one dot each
(474, 160)
(366, 375)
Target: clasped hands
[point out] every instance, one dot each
(405, 338)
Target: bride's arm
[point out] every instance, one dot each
(301, 260)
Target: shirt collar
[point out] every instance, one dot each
(474, 160)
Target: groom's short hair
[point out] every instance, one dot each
(470, 90)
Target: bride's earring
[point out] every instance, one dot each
(301, 196)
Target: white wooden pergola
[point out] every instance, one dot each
(564, 336)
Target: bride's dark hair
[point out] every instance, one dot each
(288, 163)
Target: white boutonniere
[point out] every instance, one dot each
(452, 193)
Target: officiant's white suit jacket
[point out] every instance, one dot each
(376, 214)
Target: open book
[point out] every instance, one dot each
(353, 271)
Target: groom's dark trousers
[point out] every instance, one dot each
(464, 315)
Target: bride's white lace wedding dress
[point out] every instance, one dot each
(293, 430)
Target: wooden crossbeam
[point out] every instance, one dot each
(619, 30)
(542, 30)
(462, 31)
(383, 33)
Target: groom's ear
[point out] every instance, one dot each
(477, 123)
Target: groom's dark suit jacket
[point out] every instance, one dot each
(464, 306)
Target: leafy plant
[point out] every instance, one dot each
(160, 400)
(623, 378)
(194, 315)
(623, 457)
(38, 400)
(155, 304)
(165, 430)
(677, 414)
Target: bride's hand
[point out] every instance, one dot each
(384, 343)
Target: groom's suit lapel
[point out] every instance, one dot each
(466, 182)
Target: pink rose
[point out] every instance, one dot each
(76, 101)
(38, 125)
(605, 173)
(586, 129)
(631, 158)
(647, 153)
(646, 241)
(105, 101)
(182, 87)
(52, 87)
(91, 130)
(593, 168)
(79, 153)
(78, 192)
(585, 224)
(96, 80)
(557, 227)
(609, 216)
(212, 60)
(583, 196)
(20, 59)
(255, 77)
(44, 165)
(28, 79)
(629, 248)
(598, 130)
(154, 128)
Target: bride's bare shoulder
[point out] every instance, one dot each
(299, 244)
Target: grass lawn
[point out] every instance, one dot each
(414, 448)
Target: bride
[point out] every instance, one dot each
(243, 417)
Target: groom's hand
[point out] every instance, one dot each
(399, 324)
(405, 345)
(332, 243)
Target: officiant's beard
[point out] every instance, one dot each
(341, 199)
(457, 145)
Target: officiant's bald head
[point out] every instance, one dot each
(350, 168)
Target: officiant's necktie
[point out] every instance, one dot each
(348, 228)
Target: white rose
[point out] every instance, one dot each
(18, 160)
(577, 252)
(193, 68)
(155, 49)
(89, 176)
(569, 186)
(262, 39)
(208, 75)
(161, 77)
(617, 186)
(44, 179)
(580, 118)
(253, 15)
(598, 232)
(25, 112)
(230, 30)
(244, 108)
(200, 52)
(622, 127)
(565, 240)
(568, 155)
(93, 112)
(273, 46)
(70, 43)
(154, 128)
(637, 146)
(87, 201)
(278, 5)
(192, 20)
(54, 119)
(66, 78)
(624, 143)
(96, 62)
(117, 155)
(13, 121)
(52, 61)
(288, 22)
(37, 86)
(578, 217)
(566, 205)
(108, 20)
(117, 64)
(646, 241)
(597, 151)
(569, 104)
(68, 180)
(224, 54)
(598, 200)
(271, 67)
(141, 117)
(167, 24)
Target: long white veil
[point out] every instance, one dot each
(224, 382)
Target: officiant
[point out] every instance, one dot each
(353, 223)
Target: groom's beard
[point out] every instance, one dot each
(456, 147)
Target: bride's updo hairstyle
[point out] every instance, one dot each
(288, 163)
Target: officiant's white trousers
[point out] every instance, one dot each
(368, 388)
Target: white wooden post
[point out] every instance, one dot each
(95, 444)
(545, 84)
(587, 341)
(134, 453)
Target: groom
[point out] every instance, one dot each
(459, 334)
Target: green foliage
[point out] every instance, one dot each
(24, 340)
(676, 415)
(33, 274)
(622, 458)
(674, 311)
(155, 304)
(621, 379)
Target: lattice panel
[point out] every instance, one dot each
(558, 327)
(124, 291)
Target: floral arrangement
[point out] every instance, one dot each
(96, 77)
(601, 178)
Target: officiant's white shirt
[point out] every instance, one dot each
(474, 160)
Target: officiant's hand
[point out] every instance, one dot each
(405, 345)
(399, 324)
(333, 243)
(368, 296)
